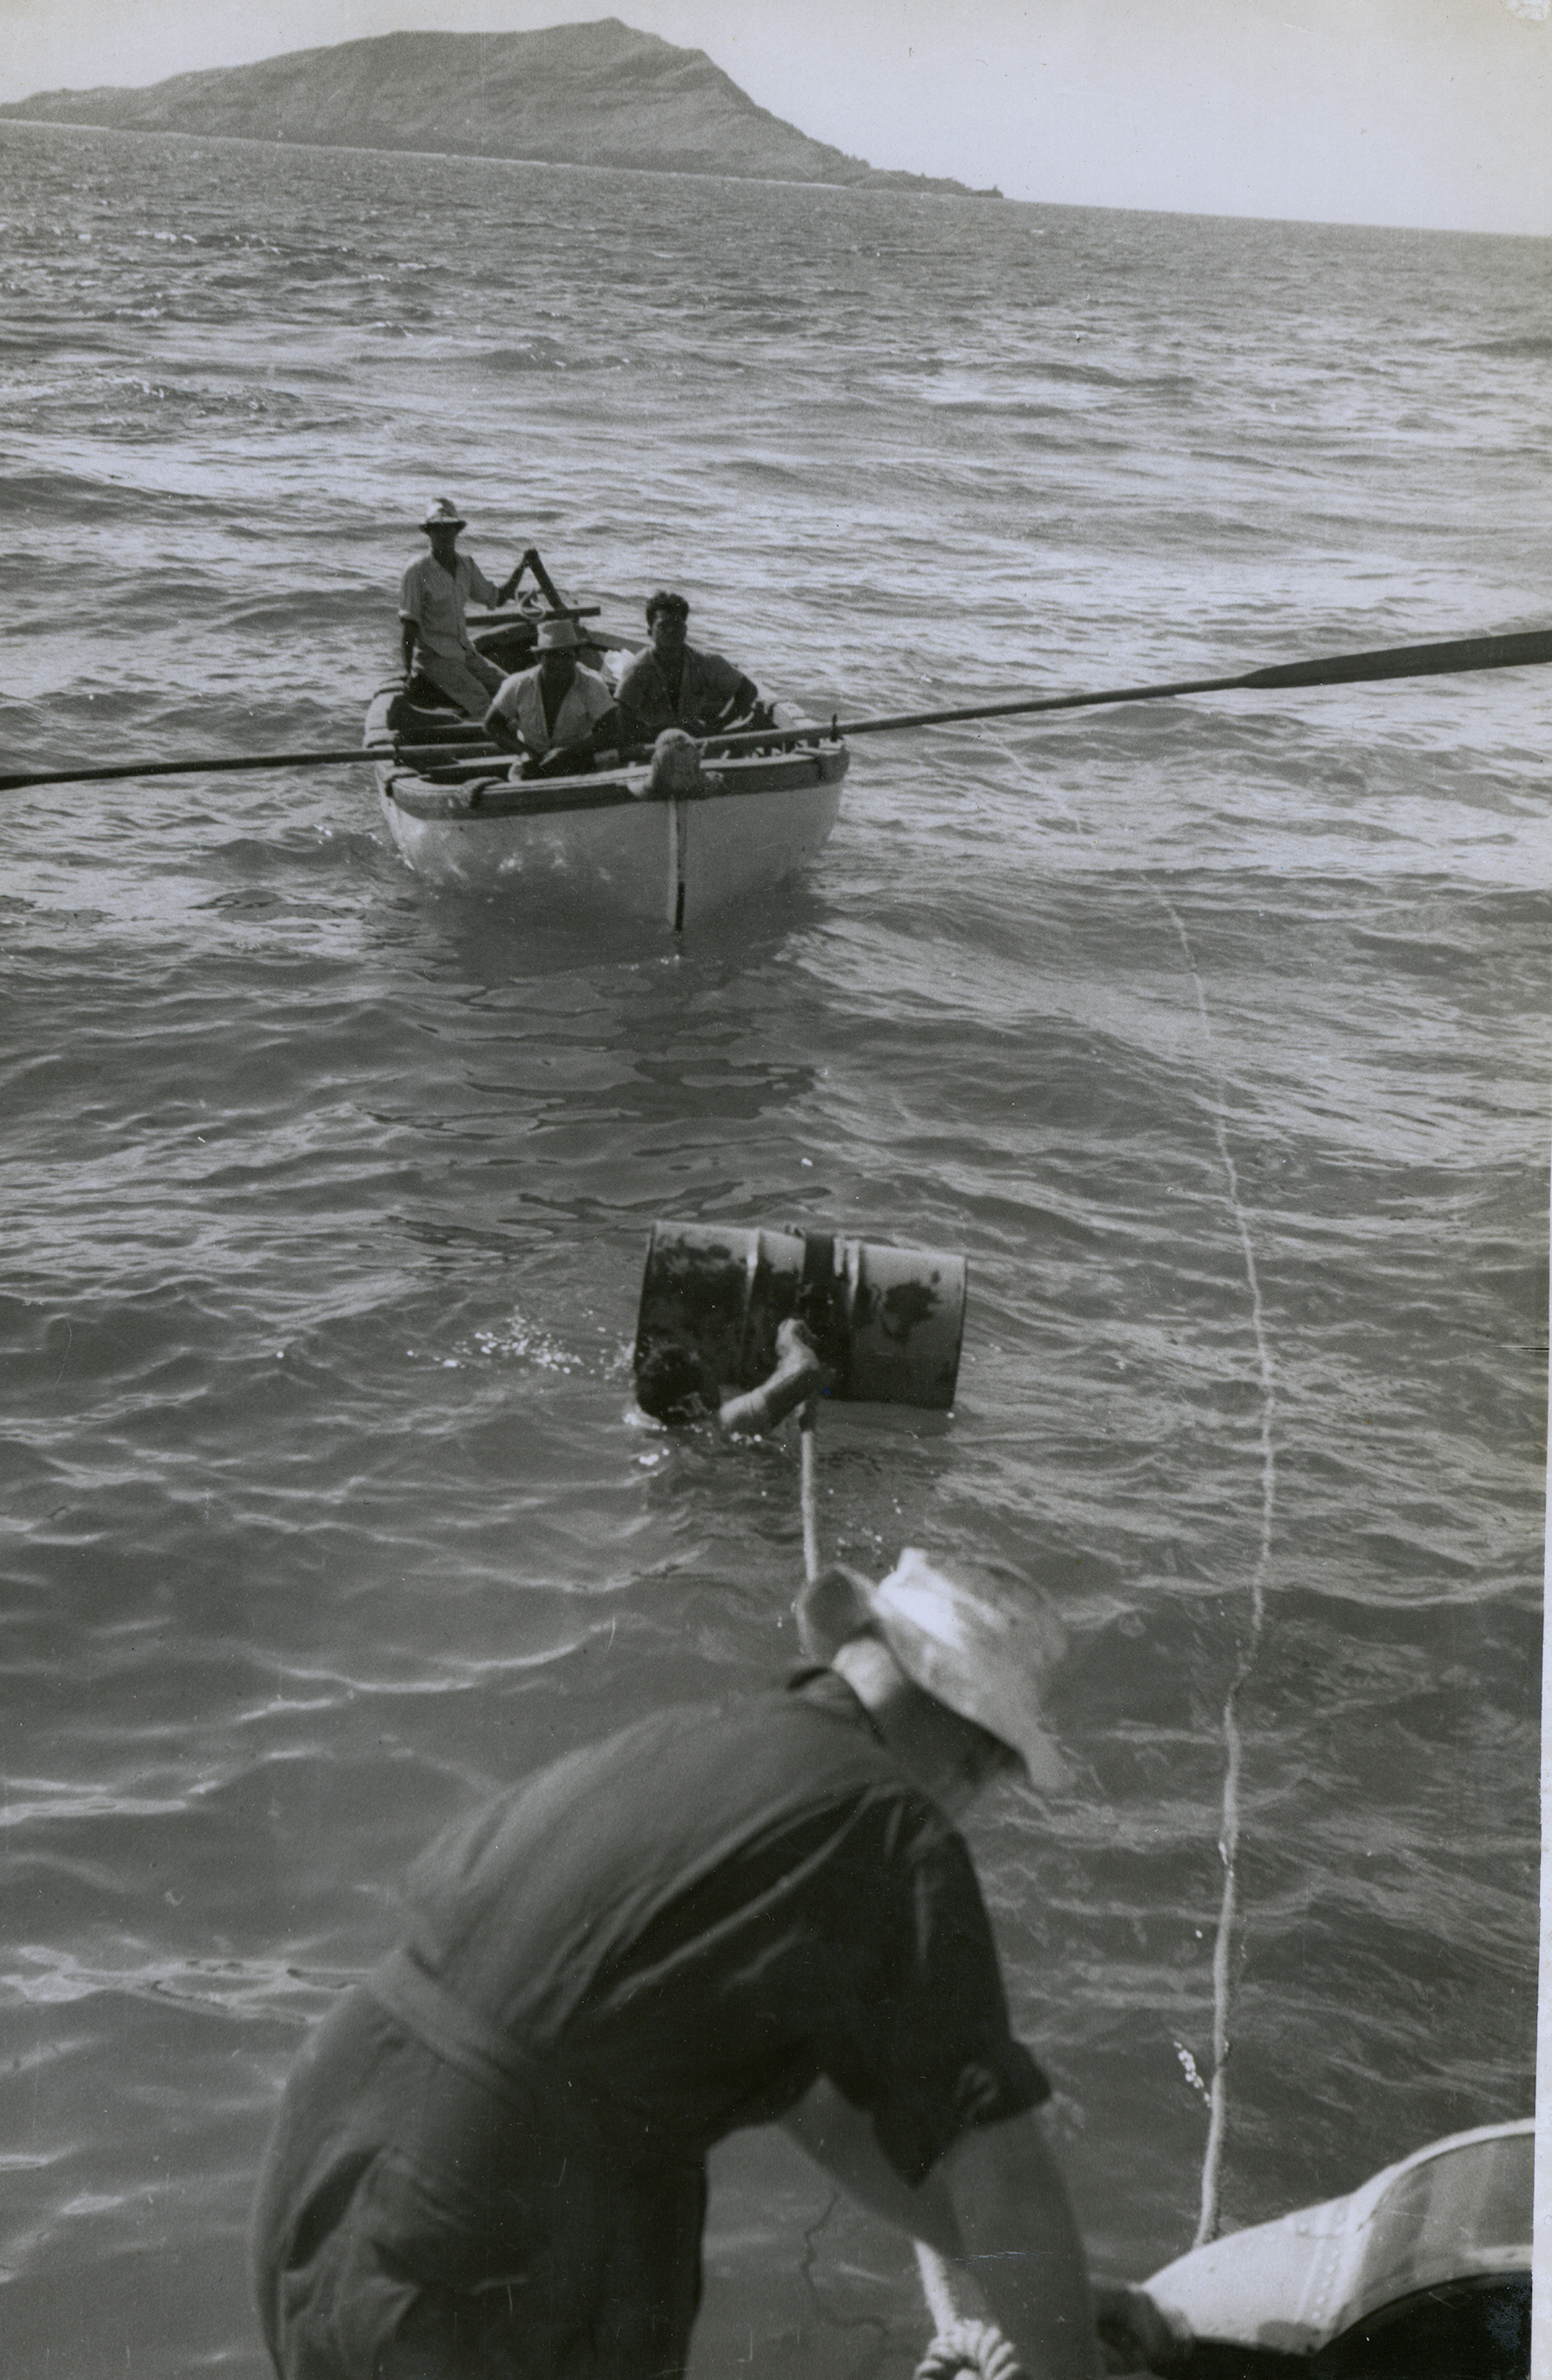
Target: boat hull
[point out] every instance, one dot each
(604, 844)
(1417, 2272)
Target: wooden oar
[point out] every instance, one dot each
(552, 593)
(1335, 669)
(404, 756)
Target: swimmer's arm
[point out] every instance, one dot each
(798, 1376)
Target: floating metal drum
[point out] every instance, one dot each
(887, 1321)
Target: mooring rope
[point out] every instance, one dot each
(807, 1493)
(959, 2343)
(1228, 1829)
(1228, 1837)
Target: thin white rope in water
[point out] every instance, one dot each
(936, 2286)
(1228, 1837)
(807, 1492)
(1229, 1831)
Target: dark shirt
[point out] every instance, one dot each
(501, 2137)
(706, 684)
(697, 1918)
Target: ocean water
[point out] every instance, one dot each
(1215, 1034)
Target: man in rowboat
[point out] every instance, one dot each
(489, 2163)
(433, 595)
(558, 713)
(670, 683)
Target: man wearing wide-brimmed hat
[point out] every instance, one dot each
(558, 713)
(433, 596)
(491, 2162)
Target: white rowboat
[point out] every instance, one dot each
(603, 843)
(1423, 2274)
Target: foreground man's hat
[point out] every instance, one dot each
(558, 637)
(443, 513)
(983, 1649)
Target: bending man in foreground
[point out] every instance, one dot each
(489, 2163)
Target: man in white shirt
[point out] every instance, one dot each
(558, 714)
(431, 599)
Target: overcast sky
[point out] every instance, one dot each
(1432, 113)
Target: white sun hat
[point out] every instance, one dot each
(980, 1644)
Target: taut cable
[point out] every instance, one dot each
(1210, 2210)
(937, 2286)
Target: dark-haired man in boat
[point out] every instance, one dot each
(490, 2159)
(559, 714)
(671, 684)
(433, 595)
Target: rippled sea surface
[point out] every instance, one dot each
(1215, 1034)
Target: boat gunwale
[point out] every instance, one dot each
(489, 797)
(469, 789)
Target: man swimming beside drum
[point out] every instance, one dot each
(674, 1386)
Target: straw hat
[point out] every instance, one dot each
(983, 1648)
(443, 513)
(558, 636)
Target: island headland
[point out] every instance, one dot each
(589, 94)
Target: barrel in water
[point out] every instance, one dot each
(888, 1322)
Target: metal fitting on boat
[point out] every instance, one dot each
(675, 764)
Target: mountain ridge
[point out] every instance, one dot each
(596, 93)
